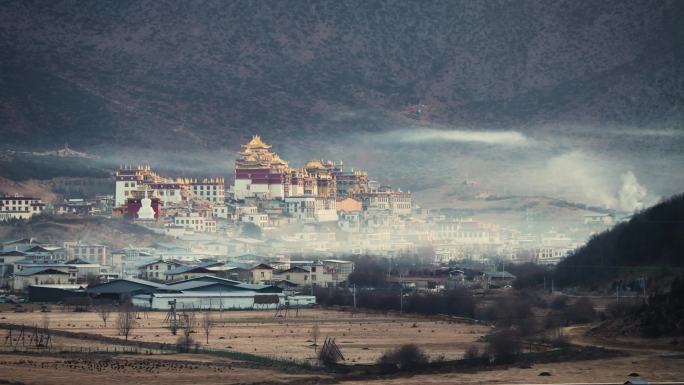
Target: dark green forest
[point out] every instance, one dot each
(650, 243)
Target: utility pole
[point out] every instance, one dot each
(643, 286)
(401, 295)
(354, 296)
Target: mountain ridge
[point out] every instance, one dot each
(209, 74)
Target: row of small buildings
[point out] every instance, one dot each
(301, 274)
(197, 293)
(26, 262)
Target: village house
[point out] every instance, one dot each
(40, 276)
(261, 274)
(19, 207)
(93, 253)
(156, 270)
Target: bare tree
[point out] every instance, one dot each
(186, 324)
(46, 321)
(408, 356)
(315, 332)
(127, 320)
(207, 324)
(104, 311)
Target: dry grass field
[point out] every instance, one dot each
(610, 371)
(362, 337)
(167, 369)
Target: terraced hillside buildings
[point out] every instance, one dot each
(19, 207)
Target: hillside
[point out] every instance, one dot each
(113, 232)
(651, 243)
(208, 74)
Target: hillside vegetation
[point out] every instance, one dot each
(208, 73)
(650, 243)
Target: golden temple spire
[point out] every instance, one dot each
(256, 143)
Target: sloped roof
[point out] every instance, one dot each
(499, 274)
(192, 285)
(205, 278)
(210, 264)
(44, 249)
(39, 271)
(21, 240)
(253, 286)
(262, 266)
(13, 253)
(101, 287)
(188, 269)
(160, 260)
(79, 261)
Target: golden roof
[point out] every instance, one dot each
(313, 164)
(256, 143)
(276, 160)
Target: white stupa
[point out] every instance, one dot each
(146, 212)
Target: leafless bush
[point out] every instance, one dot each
(46, 321)
(620, 309)
(315, 332)
(207, 324)
(126, 320)
(504, 345)
(185, 343)
(471, 353)
(104, 311)
(515, 311)
(581, 311)
(405, 357)
(560, 341)
(559, 302)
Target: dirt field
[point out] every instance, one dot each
(199, 369)
(361, 337)
(175, 369)
(616, 370)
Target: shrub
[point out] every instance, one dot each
(559, 342)
(184, 343)
(504, 345)
(581, 311)
(471, 353)
(559, 302)
(554, 321)
(619, 310)
(511, 311)
(405, 357)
